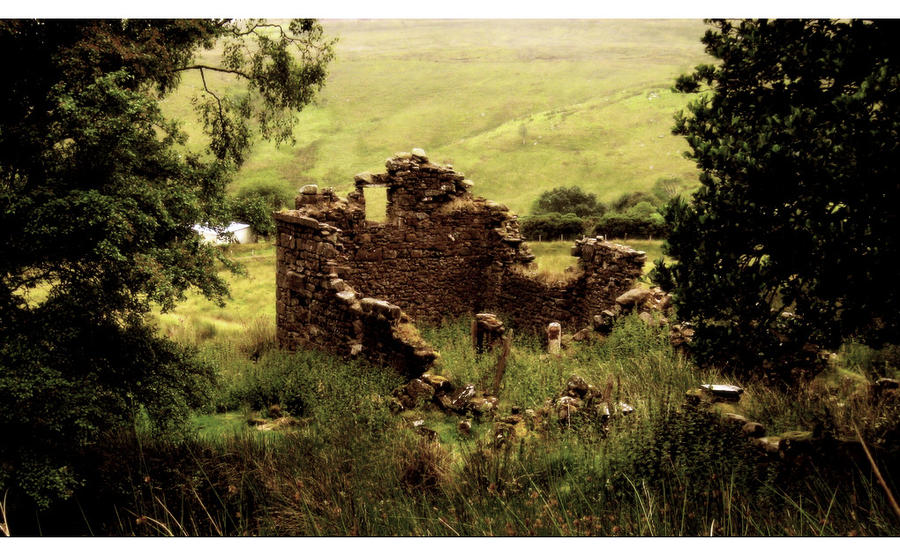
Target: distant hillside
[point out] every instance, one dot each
(519, 106)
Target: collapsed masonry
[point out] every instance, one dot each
(352, 286)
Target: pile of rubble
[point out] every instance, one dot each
(578, 402)
(582, 401)
(725, 400)
(438, 392)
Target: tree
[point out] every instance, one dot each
(255, 205)
(642, 220)
(98, 194)
(789, 244)
(629, 200)
(568, 200)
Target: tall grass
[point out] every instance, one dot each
(354, 468)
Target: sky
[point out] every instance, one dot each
(356, 9)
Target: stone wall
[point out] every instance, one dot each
(441, 253)
(604, 271)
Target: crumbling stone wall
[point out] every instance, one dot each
(604, 271)
(441, 253)
(317, 309)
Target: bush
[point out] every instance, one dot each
(552, 226)
(565, 200)
(631, 225)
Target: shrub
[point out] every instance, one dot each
(631, 225)
(552, 226)
(565, 200)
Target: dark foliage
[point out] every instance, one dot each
(795, 135)
(568, 200)
(98, 193)
(551, 226)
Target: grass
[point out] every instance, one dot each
(593, 97)
(554, 257)
(355, 469)
(251, 304)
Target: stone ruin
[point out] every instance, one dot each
(352, 286)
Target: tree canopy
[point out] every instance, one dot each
(790, 243)
(98, 194)
(568, 200)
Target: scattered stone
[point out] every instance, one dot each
(753, 429)
(554, 340)
(465, 427)
(576, 386)
(633, 297)
(414, 393)
(461, 397)
(512, 419)
(582, 334)
(735, 419)
(428, 433)
(566, 407)
(487, 332)
(681, 335)
(444, 402)
(439, 383)
(693, 397)
(624, 408)
(770, 444)
(602, 411)
(605, 321)
(311, 189)
(719, 392)
(797, 442)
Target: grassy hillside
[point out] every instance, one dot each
(518, 106)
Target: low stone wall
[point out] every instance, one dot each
(441, 253)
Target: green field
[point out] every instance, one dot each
(519, 106)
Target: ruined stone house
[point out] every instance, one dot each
(352, 286)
